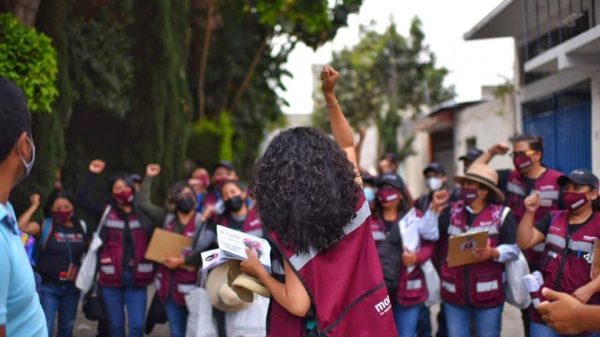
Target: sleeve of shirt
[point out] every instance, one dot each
(428, 226)
(544, 224)
(4, 278)
(508, 249)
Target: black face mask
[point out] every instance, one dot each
(234, 204)
(185, 205)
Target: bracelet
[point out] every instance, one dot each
(328, 106)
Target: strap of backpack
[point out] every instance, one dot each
(46, 231)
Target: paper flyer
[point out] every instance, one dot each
(232, 246)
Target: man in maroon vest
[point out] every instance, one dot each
(529, 175)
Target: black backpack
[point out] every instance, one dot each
(390, 254)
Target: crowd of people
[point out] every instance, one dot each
(353, 254)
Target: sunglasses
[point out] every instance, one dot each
(522, 153)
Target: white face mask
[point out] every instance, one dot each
(434, 184)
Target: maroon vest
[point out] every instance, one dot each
(111, 252)
(345, 284)
(566, 265)
(180, 281)
(252, 224)
(480, 284)
(517, 191)
(412, 288)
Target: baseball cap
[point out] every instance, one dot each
(226, 164)
(579, 177)
(434, 167)
(391, 179)
(472, 154)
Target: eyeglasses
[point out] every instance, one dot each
(522, 153)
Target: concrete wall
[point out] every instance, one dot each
(489, 123)
(412, 168)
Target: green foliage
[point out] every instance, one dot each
(383, 75)
(101, 63)
(28, 59)
(211, 141)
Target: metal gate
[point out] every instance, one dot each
(564, 120)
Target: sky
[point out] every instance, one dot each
(471, 63)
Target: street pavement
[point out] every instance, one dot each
(511, 323)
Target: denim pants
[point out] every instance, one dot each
(488, 321)
(61, 299)
(131, 297)
(406, 319)
(541, 330)
(177, 316)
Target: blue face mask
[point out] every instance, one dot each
(370, 194)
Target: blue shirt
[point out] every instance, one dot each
(20, 309)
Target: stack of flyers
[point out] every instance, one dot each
(533, 283)
(232, 246)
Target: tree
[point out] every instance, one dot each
(384, 75)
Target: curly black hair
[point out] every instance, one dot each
(305, 189)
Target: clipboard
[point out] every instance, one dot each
(164, 244)
(461, 247)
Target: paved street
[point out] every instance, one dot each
(511, 324)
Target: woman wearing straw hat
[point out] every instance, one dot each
(475, 291)
(326, 278)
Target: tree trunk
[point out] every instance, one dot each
(250, 73)
(204, 58)
(26, 11)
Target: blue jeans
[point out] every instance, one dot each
(177, 316)
(134, 298)
(406, 319)
(541, 330)
(61, 299)
(424, 323)
(488, 321)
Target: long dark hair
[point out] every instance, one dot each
(305, 189)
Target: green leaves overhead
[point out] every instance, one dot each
(386, 77)
(28, 59)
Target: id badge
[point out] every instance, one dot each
(72, 272)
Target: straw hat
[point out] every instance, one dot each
(243, 284)
(485, 175)
(222, 295)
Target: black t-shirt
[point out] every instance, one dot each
(544, 225)
(508, 230)
(55, 258)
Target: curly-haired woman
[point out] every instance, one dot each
(326, 277)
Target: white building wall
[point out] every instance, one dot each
(489, 123)
(596, 122)
(413, 166)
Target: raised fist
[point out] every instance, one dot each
(152, 170)
(97, 166)
(329, 78)
(500, 148)
(532, 202)
(439, 200)
(35, 199)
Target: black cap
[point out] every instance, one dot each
(136, 178)
(368, 178)
(579, 177)
(472, 154)
(226, 164)
(390, 156)
(434, 167)
(391, 179)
